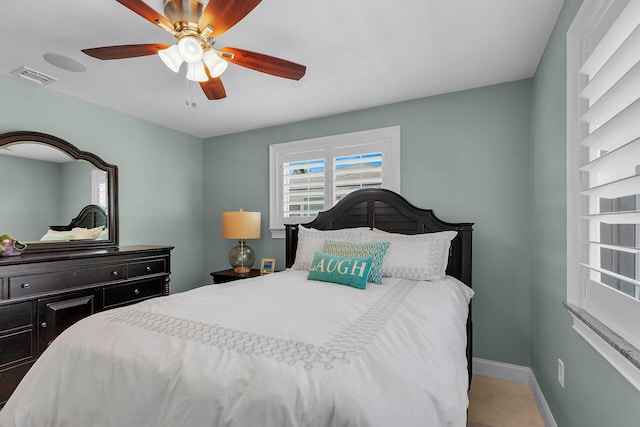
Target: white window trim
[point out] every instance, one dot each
(579, 294)
(391, 136)
(98, 177)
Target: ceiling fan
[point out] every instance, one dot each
(196, 26)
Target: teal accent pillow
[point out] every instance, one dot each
(350, 271)
(376, 250)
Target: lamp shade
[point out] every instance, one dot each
(214, 63)
(241, 225)
(190, 49)
(196, 72)
(171, 57)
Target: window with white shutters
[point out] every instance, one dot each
(303, 188)
(309, 176)
(604, 168)
(356, 171)
(99, 188)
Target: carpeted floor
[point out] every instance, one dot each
(498, 403)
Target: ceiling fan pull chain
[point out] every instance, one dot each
(189, 103)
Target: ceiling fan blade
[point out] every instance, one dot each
(147, 12)
(224, 14)
(125, 51)
(264, 63)
(213, 88)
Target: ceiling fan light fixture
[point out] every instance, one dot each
(196, 24)
(171, 58)
(214, 63)
(190, 49)
(196, 72)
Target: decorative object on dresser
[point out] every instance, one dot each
(229, 275)
(241, 226)
(10, 246)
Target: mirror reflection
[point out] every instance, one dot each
(44, 189)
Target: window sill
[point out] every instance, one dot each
(277, 233)
(620, 353)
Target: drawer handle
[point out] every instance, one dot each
(148, 268)
(136, 291)
(43, 324)
(25, 286)
(114, 273)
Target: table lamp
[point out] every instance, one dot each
(241, 226)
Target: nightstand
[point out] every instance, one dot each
(229, 275)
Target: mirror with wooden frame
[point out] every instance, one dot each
(54, 196)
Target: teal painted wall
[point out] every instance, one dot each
(464, 154)
(57, 192)
(595, 395)
(160, 169)
(27, 215)
(76, 182)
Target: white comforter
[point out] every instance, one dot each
(277, 351)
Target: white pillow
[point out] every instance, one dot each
(104, 234)
(311, 241)
(86, 233)
(77, 233)
(57, 235)
(417, 256)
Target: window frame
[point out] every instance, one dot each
(606, 309)
(388, 137)
(99, 188)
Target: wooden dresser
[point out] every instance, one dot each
(41, 294)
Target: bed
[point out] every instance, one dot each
(91, 216)
(89, 224)
(388, 211)
(276, 350)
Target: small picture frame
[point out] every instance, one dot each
(268, 265)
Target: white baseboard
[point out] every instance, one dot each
(502, 371)
(518, 374)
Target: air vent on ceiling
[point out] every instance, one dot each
(34, 76)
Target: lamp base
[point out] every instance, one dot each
(242, 257)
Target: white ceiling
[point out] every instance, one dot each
(358, 53)
(36, 151)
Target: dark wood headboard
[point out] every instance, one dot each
(91, 216)
(389, 211)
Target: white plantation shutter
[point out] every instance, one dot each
(604, 167)
(303, 187)
(310, 176)
(355, 172)
(357, 166)
(99, 188)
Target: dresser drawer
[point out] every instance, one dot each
(9, 380)
(15, 347)
(123, 294)
(15, 316)
(57, 313)
(144, 268)
(23, 286)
